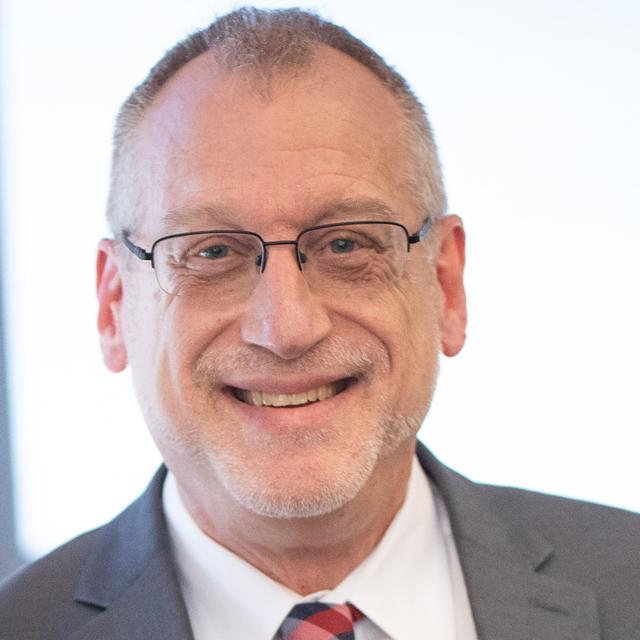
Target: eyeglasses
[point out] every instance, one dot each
(347, 256)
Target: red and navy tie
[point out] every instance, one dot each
(320, 621)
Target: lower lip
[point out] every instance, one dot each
(267, 417)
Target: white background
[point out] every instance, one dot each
(536, 108)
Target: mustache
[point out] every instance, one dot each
(334, 355)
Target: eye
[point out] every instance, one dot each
(214, 252)
(342, 245)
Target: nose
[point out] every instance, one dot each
(283, 315)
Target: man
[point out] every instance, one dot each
(281, 281)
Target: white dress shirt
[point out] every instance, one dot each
(410, 587)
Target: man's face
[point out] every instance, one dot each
(324, 146)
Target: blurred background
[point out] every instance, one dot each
(536, 110)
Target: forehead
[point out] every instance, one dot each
(272, 153)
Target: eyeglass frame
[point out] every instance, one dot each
(143, 254)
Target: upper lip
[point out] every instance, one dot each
(281, 385)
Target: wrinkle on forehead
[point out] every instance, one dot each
(334, 122)
(212, 216)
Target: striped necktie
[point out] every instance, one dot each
(320, 621)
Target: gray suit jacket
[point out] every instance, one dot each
(537, 568)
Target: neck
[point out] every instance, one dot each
(307, 554)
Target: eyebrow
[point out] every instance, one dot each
(188, 216)
(356, 206)
(216, 216)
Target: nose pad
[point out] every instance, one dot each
(261, 260)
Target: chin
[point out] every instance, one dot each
(303, 486)
(289, 504)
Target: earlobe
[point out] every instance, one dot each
(109, 290)
(450, 270)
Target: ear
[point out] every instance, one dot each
(450, 269)
(109, 289)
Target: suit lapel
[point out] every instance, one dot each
(512, 602)
(131, 580)
(503, 564)
(150, 607)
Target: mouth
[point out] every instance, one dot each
(258, 398)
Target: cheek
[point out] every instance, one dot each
(187, 335)
(155, 343)
(402, 322)
(414, 343)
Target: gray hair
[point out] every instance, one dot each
(268, 42)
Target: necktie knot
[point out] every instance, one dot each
(320, 621)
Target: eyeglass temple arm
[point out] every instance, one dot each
(137, 251)
(422, 232)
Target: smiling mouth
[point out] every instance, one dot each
(264, 399)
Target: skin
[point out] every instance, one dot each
(305, 493)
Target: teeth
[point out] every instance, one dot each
(264, 399)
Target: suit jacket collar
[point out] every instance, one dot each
(132, 576)
(131, 573)
(503, 564)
